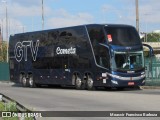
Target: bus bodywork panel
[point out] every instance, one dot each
(53, 56)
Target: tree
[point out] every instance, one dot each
(3, 52)
(152, 37)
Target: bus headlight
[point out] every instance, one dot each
(143, 81)
(114, 82)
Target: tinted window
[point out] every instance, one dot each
(79, 62)
(124, 36)
(96, 35)
(50, 63)
(103, 57)
(42, 63)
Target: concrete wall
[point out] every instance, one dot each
(4, 71)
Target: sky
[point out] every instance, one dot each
(26, 15)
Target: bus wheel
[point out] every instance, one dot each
(31, 82)
(20, 78)
(78, 83)
(90, 83)
(24, 81)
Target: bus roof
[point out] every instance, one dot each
(47, 30)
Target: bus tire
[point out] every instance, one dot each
(79, 83)
(24, 81)
(31, 82)
(90, 83)
(20, 78)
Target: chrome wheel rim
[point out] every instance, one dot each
(78, 82)
(24, 81)
(30, 81)
(90, 83)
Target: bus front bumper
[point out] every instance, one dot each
(127, 81)
(120, 83)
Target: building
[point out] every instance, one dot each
(156, 31)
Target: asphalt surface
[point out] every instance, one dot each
(69, 99)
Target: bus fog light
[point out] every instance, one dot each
(114, 82)
(143, 81)
(104, 80)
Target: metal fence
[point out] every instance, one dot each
(4, 71)
(153, 71)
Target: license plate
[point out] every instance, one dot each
(130, 83)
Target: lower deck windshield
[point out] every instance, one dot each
(128, 61)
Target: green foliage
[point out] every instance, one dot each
(3, 52)
(11, 106)
(1, 106)
(152, 37)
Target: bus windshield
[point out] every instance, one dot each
(122, 35)
(128, 60)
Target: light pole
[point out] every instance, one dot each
(137, 16)
(1, 41)
(6, 25)
(42, 16)
(6, 18)
(2, 29)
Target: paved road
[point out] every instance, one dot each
(68, 99)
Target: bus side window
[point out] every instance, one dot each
(104, 58)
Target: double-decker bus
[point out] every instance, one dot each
(85, 56)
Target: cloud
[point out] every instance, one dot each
(31, 16)
(149, 13)
(27, 2)
(63, 18)
(117, 11)
(126, 14)
(14, 26)
(117, 15)
(23, 11)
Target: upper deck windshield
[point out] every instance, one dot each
(122, 35)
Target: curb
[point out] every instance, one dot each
(19, 107)
(5, 81)
(150, 87)
(142, 87)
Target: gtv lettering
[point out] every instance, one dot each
(20, 50)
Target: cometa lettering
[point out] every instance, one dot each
(65, 51)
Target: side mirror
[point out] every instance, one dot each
(145, 67)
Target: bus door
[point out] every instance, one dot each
(59, 71)
(65, 69)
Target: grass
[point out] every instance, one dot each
(2, 106)
(11, 106)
